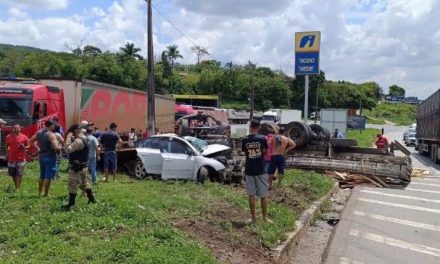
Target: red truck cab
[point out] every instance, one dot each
(29, 104)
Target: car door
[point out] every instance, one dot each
(178, 160)
(150, 154)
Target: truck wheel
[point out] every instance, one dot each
(299, 133)
(139, 170)
(183, 128)
(319, 130)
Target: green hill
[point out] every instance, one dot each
(400, 114)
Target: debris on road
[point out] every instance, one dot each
(350, 180)
(419, 172)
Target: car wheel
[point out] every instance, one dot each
(139, 170)
(202, 175)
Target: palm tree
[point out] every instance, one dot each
(173, 54)
(130, 51)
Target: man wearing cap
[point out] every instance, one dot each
(78, 151)
(48, 147)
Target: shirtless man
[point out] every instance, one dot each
(282, 146)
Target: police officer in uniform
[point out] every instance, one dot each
(78, 151)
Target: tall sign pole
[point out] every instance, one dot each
(307, 60)
(306, 98)
(151, 86)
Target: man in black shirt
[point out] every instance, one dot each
(254, 146)
(110, 141)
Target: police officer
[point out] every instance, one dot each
(78, 151)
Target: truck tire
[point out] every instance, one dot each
(317, 129)
(299, 132)
(183, 127)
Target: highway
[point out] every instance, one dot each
(386, 226)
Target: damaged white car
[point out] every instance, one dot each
(171, 157)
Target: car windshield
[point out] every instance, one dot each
(12, 107)
(199, 144)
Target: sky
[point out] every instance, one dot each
(386, 41)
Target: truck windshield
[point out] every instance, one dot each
(14, 107)
(268, 118)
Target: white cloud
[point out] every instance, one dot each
(38, 4)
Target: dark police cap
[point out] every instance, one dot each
(73, 127)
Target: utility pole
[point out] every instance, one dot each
(251, 116)
(151, 86)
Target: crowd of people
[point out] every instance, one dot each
(81, 146)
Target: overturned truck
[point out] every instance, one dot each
(317, 151)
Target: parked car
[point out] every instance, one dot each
(410, 139)
(171, 157)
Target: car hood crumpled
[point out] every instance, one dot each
(213, 149)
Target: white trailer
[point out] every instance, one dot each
(334, 118)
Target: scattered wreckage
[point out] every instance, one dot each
(317, 151)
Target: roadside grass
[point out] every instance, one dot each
(401, 114)
(365, 138)
(133, 220)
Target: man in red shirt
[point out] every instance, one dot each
(381, 142)
(16, 145)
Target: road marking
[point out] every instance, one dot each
(401, 205)
(434, 179)
(422, 190)
(426, 184)
(343, 260)
(396, 243)
(398, 221)
(402, 196)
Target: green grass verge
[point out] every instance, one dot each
(132, 223)
(401, 114)
(365, 138)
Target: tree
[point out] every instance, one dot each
(130, 51)
(200, 52)
(396, 90)
(91, 51)
(172, 53)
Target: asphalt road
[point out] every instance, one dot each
(391, 226)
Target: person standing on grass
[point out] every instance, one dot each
(16, 146)
(110, 141)
(93, 154)
(59, 135)
(254, 146)
(78, 151)
(48, 147)
(282, 145)
(132, 138)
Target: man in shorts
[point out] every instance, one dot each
(282, 145)
(110, 141)
(48, 147)
(254, 146)
(16, 145)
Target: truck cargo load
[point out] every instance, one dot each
(428, 127)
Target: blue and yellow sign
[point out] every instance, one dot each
(307, 46)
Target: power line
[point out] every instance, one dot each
(179, 30)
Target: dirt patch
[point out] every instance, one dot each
(224, 231)
(296, 197)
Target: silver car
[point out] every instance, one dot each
(172, 157)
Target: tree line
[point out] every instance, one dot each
(232, 82)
